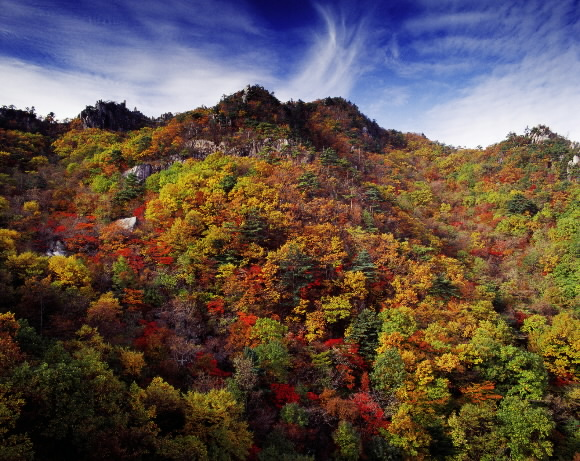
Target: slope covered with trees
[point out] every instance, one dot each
(264, 280)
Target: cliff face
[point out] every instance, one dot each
(108, 115)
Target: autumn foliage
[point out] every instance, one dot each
(298, 283)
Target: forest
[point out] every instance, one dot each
(263, 281)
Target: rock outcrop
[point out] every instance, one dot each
(109, 115)
(573, 168)
(201, 148)
(56, 248)
(142, 171)
(127, 224)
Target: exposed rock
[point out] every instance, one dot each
(573, 168)
(142, 172)
(201, 148)
(109, 115)
(56, 248)
(246, 93)
(281, 144)
(127, 223)
(540, 134)
(276, 145)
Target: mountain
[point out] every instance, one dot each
(260, 280)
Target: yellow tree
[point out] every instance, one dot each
(105, 315)
(68, 272)
(216, 419)
(558, 343)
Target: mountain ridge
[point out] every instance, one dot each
(260, 280)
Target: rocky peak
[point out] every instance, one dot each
(110, 115)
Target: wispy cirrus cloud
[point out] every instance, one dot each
(169, 57)
(153, 84)
(532, 60)
(540, 90)
(462, 72)
(488, 68)
(487, 32)
(335, 60)
(449, 21)
(153, 63)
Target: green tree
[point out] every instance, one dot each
(517, 373)
(519, 204)
(364, 330)
(277, 447)
(399, 320)
(78, 406)
(329, 157)
(14, 446)
(295, 269)
(131, 188)
(168, 405)
(183, 448)
(526, 428)
(273, 357)
(266, 329)
(123, 274)
(364, 263)
(216, 419)
(292, 413)
(388, 371)
(558, 343)
(254, 227)
(472, 431)
(308, 182)
(347, 441)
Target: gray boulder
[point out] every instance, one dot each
(142, 172)
(127, 224)
(56, 248)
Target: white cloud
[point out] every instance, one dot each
(504, 31)
(541, 90)
(177, 55)
(26, 85)
(453, 45)
(157, 67)
(333, 63)
(393, 107)
(153, 65)
(479, 71)
(66, 93)
(449, 21)
(219, 16)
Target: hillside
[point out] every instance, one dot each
(265, 280)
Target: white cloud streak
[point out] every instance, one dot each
(87, 58)
(449, 21)
(487, 33)
(153, 84)
(541, 90)
(157, 69)
(462, 74)
(490, 68)
(334, 61)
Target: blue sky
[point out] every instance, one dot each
(464, 73)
